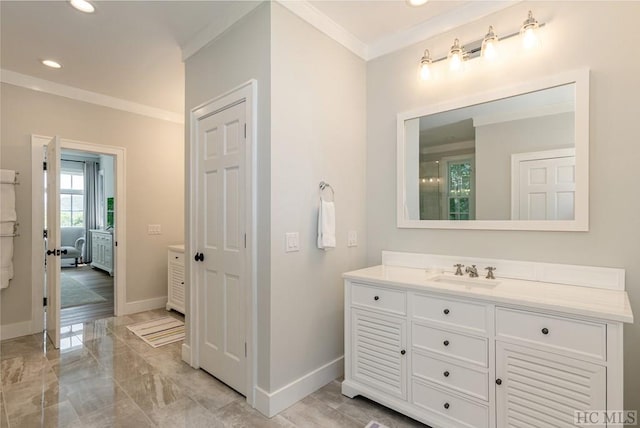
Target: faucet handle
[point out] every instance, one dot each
(490, 270)
(458, 267)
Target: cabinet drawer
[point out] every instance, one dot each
(469, 315)
(175, 257)
(467, 348)
(462, 412)
(383, 299)
(577, 336)
(450, 375)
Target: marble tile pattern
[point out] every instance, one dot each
(104, 376)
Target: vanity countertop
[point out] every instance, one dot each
(608, 305)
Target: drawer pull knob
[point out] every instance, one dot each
(445, 343)
(498, 381)
(376, 297)
(446, 374)
(177, 257)
(403, 352)
(545, 330)
(446, 311)
(446, 405)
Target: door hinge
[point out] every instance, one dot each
(115, 243)
(245, 130)
(245, 240)
(44, 301)
(44, 166)
(245, 349)
(45, 234)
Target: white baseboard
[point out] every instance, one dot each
(9, 331)
(145, 305)
(272, 403)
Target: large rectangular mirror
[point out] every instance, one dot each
(516, 158)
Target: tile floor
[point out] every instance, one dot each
(104, 376)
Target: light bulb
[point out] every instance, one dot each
(456, 56)
(51, 63)
(416, 3)
(490, 45)
(425, 66)
(529, 32)
(83, 6)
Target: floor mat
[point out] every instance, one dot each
(158, 332)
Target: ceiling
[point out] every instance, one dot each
(133, 50)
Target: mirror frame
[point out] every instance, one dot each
(581, 221)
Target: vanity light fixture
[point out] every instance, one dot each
(83, 6)
(51, 63)
(425, 65)
(416, 3)
(529, 32)
(486, 47)
(490, 45)
(457, 56)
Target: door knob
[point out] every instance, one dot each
(64, 251)
(50, 252)
(498, 381)
(199, 257)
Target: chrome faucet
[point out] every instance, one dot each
(490, 270)
(458, 269)
(472, 271)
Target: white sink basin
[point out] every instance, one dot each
(463, 280)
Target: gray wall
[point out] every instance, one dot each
(155, 180)
(569, 42)
(495, 143)
(318, 122)
(240, 54)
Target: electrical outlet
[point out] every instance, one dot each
(292, 242)
(154, 229)
(352, 238)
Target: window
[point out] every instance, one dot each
(460, 188)
(71, 198)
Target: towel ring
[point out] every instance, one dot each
(324, 186)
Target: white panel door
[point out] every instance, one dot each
(221, 240)
(547, 189)
(52, 270)
(542, 389)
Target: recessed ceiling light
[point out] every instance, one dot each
(51, 63)
(82, 6)
(416, 3)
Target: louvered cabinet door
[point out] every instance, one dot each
(379, 352)
(542, 389)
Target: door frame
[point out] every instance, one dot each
(38, 143)
(246, 92)
(517, 159)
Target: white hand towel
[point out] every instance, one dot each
(6, 254)
(326, 225)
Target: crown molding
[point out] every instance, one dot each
(306, 11)
(53, 88)
(215, 29)
(436, 25)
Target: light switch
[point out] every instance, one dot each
(292, 242)
(352, 238)
(154, 229)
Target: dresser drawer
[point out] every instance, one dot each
(383, 299)
(450, 375)
(176, 257)
(464, 347)
(448, 312)
(462, 412)
(577, 336)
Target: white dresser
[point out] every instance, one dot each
(454, 352)
(102, 250)
(175, 267)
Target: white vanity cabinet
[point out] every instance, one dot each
(175, 278)
(102, 250)
(502, 354)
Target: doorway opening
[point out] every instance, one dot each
(79, 270)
